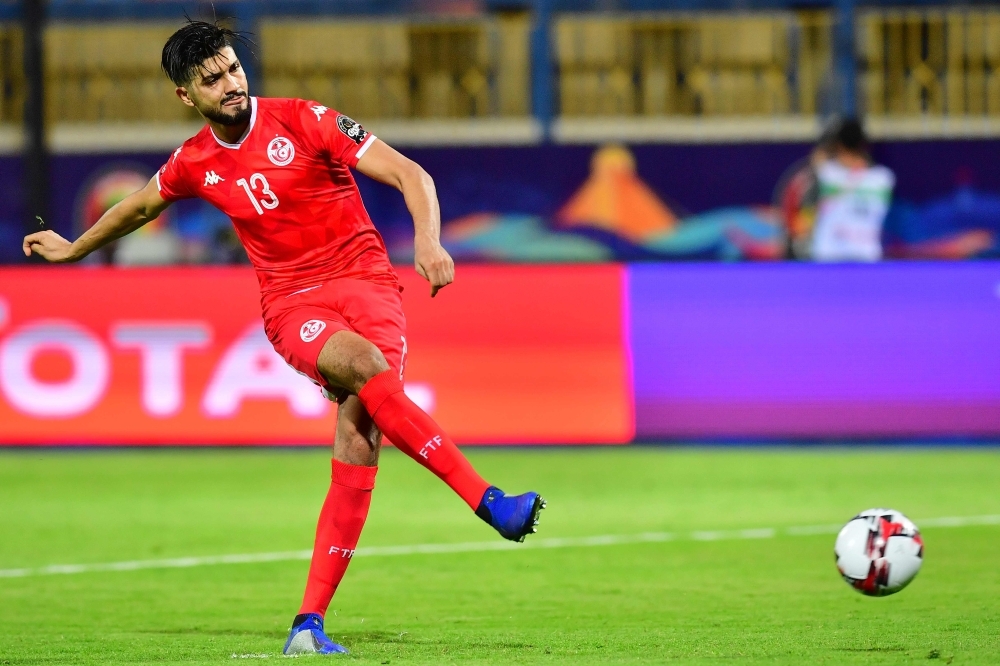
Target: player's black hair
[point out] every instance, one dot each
(190, 46)
(828, 137)
(851, 136)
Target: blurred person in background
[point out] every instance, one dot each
(854, 197)
(797, 192)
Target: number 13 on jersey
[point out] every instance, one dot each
(257, 179)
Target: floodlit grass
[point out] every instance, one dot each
(772, 600)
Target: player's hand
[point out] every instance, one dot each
(434, 264)
(49, 246)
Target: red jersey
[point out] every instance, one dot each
(288, 189)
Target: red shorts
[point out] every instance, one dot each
(298, 325)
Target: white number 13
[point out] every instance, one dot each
(258, 179)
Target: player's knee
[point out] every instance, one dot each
(348, 360)
(368, 363)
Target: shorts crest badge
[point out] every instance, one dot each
(311, 330)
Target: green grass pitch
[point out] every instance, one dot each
(773, 600)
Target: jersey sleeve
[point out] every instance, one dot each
(341, 138)
(171, 180)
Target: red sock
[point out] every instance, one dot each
(340, 522)
(418, 436)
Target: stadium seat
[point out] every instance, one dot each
(109, 72)
(11, 74)
(930, 62)
(399, 68)
(674, 64)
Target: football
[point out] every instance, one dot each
(879, 551)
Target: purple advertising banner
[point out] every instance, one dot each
(502, 204)
(816, 351)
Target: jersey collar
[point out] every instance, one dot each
(253, 119)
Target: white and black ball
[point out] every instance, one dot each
(879, 551)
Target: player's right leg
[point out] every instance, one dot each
(355, 464)
(352, 362)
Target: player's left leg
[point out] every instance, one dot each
(356, 364)
(355, 460)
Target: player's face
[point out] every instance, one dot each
(218, 89)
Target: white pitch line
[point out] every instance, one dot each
(477, 546)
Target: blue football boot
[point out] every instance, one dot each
(307, 637)
(513, 516)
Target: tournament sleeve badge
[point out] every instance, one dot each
(352, 129)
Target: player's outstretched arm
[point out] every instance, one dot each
(123, 218)
(386, 165)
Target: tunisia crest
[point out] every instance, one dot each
(280, 151)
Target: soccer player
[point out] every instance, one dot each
(280, 169)
(854, 199)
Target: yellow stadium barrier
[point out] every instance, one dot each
(402, 69)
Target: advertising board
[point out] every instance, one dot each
(521, 355)
(894, 350)
(179, 356)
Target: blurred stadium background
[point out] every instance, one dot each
(620, 184)
(582, 147)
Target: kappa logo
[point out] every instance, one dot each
(319, 111)
(311, 330)
(354, 131)
(280, 151)
(212, 178)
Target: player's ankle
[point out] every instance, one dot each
(302, 617)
